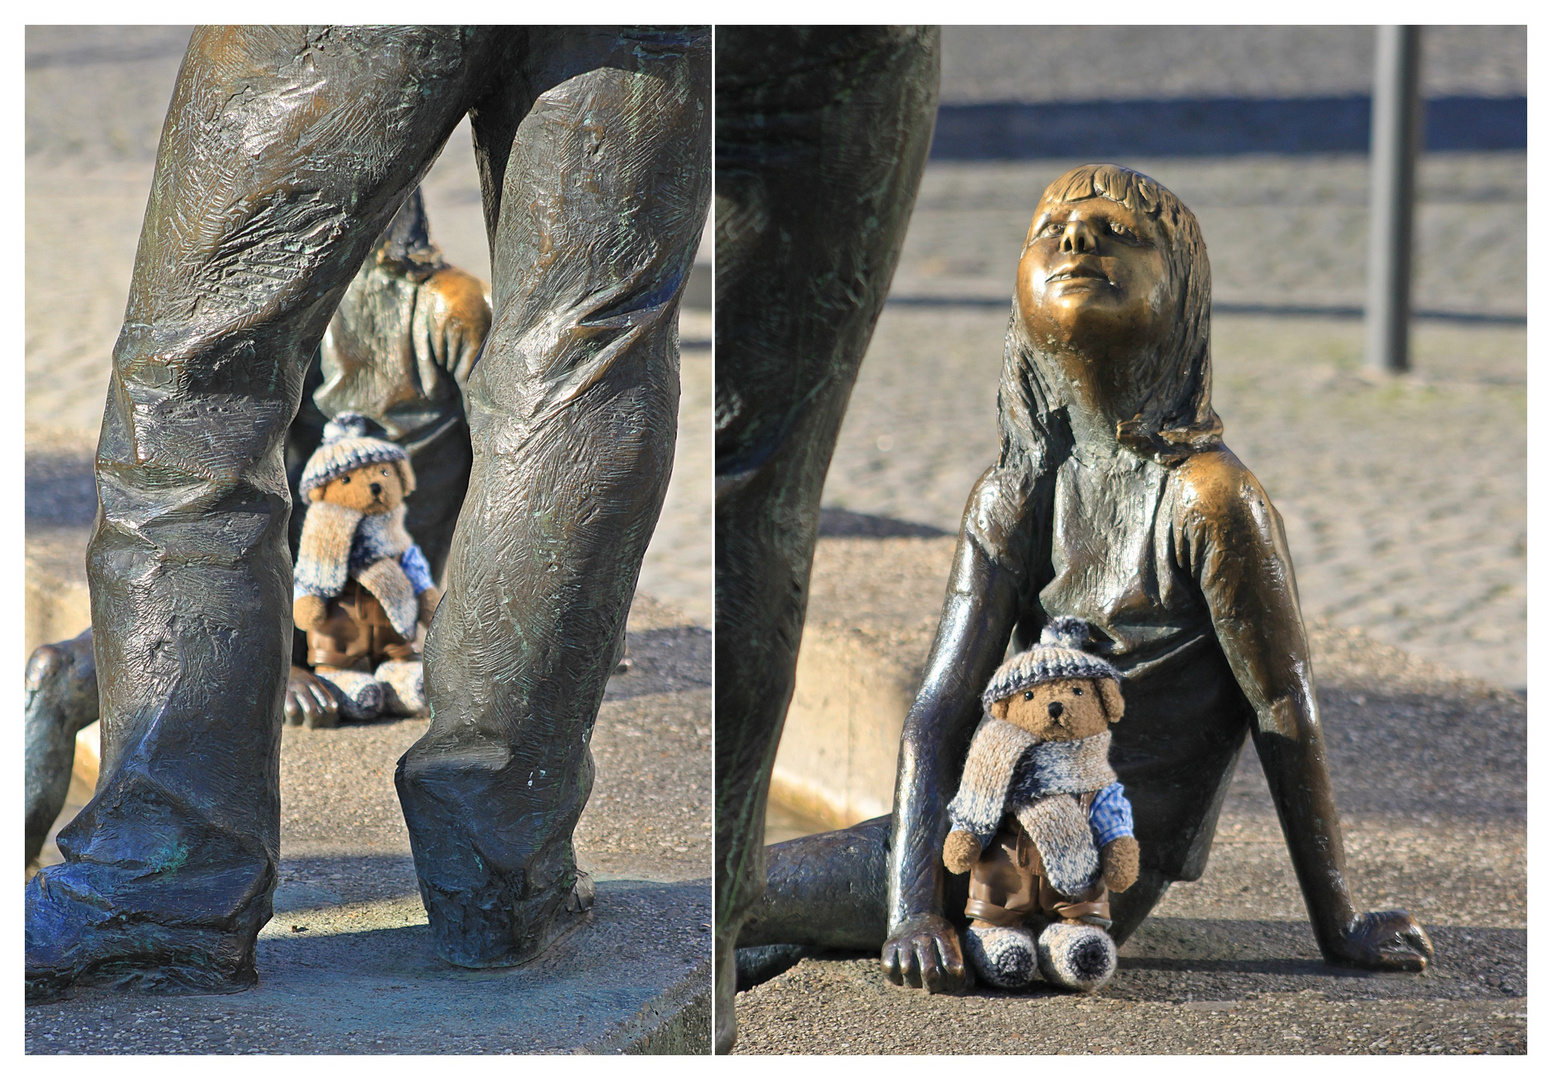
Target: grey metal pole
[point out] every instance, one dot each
(1395, 138)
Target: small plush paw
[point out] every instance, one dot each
(1002, 956)
(426, 605)
(1076, 956)
(960, 850)
(308, 611)
(1120, 859)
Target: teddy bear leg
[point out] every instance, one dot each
(1076, 955)
(404, 689)
(360, 694)
(1003, 956)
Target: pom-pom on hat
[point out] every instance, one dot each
(1059, 655)
(348, 445)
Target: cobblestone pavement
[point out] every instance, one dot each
(95, 103)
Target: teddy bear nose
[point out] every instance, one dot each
(377, 489)
(1055, 709)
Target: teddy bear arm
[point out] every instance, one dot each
(427, 602)
(1120, 859)
(960, 850)
(308, 611)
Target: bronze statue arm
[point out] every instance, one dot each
(1231, 538)
(979, 612)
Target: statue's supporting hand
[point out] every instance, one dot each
(428, 602)
(309, 700)
(960, 850)
(308, 611)
(1120, 859)
(925, 953)
(1381, 941)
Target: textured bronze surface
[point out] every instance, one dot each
(1113, 500)
(286, 153)
(822, 134)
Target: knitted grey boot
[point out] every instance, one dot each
(360, 694)
(404, 687)
(1003, 956)
(1076, 956)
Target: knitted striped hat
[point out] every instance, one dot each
(346, 446)
(1059, 655)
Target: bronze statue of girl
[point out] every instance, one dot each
(1114, 500)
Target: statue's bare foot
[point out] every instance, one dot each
(1382, 941)
(926, 953)
(61, 684)
(310, 700)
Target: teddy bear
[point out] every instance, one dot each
(1040, 822)
(362, 583)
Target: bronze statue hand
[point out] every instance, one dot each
(1382, 940)
(925, 953)
(309, 700)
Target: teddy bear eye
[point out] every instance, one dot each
(1077, 691)
(1029, 695)
(345, 479)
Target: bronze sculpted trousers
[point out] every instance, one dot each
(822, 134)
(285, 154)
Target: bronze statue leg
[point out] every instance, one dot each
(285, 154)
(822, 134)
(597, 175)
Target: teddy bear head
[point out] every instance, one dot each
(377, 488)
(1062, 709)
(355, 469)
(1056, 690)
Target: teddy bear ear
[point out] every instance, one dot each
(999, 709)
(407, 476)
(1110, 695)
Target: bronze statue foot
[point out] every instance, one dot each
(72, 942)
(310, 700)
(1380, 941)
(61, 686)
(925, 953)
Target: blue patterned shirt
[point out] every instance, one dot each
(1110, 815)
(415, 567)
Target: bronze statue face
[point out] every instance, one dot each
(1094, 291)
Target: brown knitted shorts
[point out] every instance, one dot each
(1008, 885)
(357, 635)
